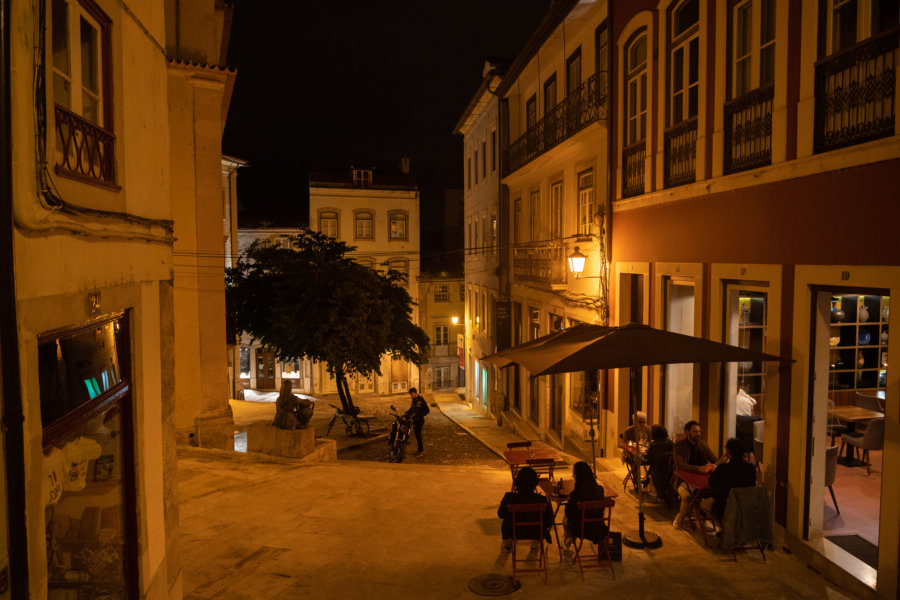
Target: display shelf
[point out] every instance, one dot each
(857, 358)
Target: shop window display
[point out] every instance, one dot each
(88, 485)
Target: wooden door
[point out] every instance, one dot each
(265, 371)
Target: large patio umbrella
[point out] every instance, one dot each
(598, 347)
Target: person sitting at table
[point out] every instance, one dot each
(694, 456)
(586, 488)
(661, 464)
(526, 482)
(736, 472)
(638, 433)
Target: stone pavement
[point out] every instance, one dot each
(258, 530)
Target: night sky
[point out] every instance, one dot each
(337, 83)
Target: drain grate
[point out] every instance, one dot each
(493, 584)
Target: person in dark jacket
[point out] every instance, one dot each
(416, 413)
(662, 465)
(526, 482)
(586, 488)
(735, 473)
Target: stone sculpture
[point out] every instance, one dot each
(292, 411)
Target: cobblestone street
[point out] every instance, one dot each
(446, 443)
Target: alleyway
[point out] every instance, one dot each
(354, 529)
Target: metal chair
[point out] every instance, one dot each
(542, 466)
(528, 524)
(831, 456)
(595, 513)
(871, 439)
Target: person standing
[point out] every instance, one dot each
(416, 413)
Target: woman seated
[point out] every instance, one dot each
(526, 482)
(737, 472)
(586, 488)
(659, 457)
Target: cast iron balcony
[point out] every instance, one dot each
(577, 111)
(543, 263)
(84, 150)
(748, 130)
(633, 158)
(855, 93)
(680, 162)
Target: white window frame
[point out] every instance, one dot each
(636, 89)
(556, 210)
(441, 335)
(360, 218)
(534, 214)
(398, 216)
(442, 292)
(755, 46)
(681, 41)
(326, 220)
(863, 22)
(585, 201)
(76, 11)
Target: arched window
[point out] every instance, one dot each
(328, 223)
(399, 264)
(364, 229)
(635, 115)
(684, 62)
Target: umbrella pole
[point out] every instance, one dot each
(644, 539)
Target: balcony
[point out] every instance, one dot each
(855, 93)
(578, 110)
(748, 130)
(543, 263)
(633, 161)
(680, 162)
(84, 150)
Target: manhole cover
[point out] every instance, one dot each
(493, 584)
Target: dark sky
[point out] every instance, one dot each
(335, 83)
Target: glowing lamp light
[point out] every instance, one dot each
(454, 319)
(576, 262)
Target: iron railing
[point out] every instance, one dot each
(84, 150)
(748, 130)
(578, 110)
(633, 161)
(680, 161)
(855, 92)
(540, 262)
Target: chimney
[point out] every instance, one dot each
(404, 164)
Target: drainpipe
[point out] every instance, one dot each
(13, 417)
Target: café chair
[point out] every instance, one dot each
(542, 466)
(595, 514)
(528, 524)
(835, 427)
(747, 524)
(867, 402)
(871, 439)
(512, 445)
(831, 456)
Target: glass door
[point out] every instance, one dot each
(679, 379)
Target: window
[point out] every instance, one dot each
(535, 215)
(601, 59)
(469, 241)
(485, 232)
(366, 261)
(328, 223)
(684, 67)
(469, 173)
(397, 220)
(441, 377)
(476, 167)
(483, 159)
(636, 91)
(362, 177)
(441, 335)
(364, 225)
(851, 21)
(585, 201)
(442, 292)
(573, 71)
(493, 151)
(493, 229)
(518, 225)
(752, 46)
(401, 265)
(556, 211)
(550, 93)
(531, 112)
(82, 72)
(462, 293)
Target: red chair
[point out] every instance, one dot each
(595, 511)
(528, 524)
(542, 466)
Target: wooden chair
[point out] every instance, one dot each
(525, 444)
(528, 524)
(872, 439)
(543, 467)
(595, 512)
(831, 456)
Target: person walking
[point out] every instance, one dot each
(416, 413)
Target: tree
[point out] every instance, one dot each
(314, 302)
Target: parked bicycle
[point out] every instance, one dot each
(353, 424)
(399, 437)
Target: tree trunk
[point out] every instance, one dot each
(344, 392)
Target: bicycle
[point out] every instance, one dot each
(353, 424)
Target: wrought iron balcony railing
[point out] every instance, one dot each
(577, 111)
(84, 150)
(680, 144)
(633, 160)
(540, 262)
(748, 130)
(855, 92)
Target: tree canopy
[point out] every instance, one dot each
(313, 301)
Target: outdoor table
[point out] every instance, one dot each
(634, 454)
(852, 415)
(558, 494)
(699, 484)
(516, 458)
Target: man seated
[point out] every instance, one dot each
(694, 456)
(661, 468)
(735, 473)
(638, 433)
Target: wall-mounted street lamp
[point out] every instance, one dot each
(576, 265)
(454, 319)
